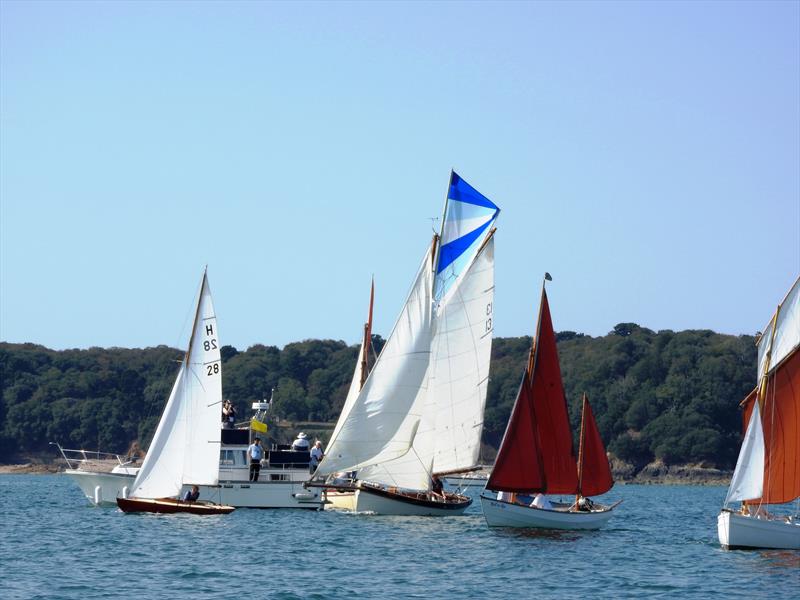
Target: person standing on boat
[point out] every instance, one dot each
(316, 456)
(301, 443)
(437, 487)
(256, 453)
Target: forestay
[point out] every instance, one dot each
(185, 448)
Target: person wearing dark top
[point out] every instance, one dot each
(192, 495)
(437, 487)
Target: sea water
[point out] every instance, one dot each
(661, 542)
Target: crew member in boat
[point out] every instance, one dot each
(316, 456)
(192, 495)
(301, 443)
(541, 501)
(256, 452)
(437, 487)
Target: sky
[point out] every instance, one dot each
(646, 154)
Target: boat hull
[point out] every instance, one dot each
(506, 514)
(172, 506)
(744, 531)
(381, 501)
(101, 489)
(263, 494)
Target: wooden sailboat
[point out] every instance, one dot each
(537, 454)
(185, 448)
(768, 468)
(342, 494)
(420, 410)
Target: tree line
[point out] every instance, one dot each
(668, 395)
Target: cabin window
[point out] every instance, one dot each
(226, 457)
(278, 477)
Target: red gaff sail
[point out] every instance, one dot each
(780, 419)
(550, 411)
(518, 467)
(594, 471)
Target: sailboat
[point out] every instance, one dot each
(341, 494)
(185, 448)
(419, 413)
(537, 453)
(768, 468)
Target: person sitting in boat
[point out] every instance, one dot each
(506, 496)
(316, 456)
(256, 453)
(192, 495)
(301, 443)
(541, 501)
(584, 504)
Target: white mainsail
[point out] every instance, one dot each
(426, 419)
(185, 448)
(452, 402)
(460, 370)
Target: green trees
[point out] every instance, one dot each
(666, 395)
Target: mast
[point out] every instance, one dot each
(367, 337)
(437, 238)
(196, 314)
(581, 441)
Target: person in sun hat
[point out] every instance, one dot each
(301, 443)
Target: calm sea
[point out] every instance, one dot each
(661, 543)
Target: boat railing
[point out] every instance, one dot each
(92, 460)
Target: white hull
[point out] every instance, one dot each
(506, 514)
(101, 489)
(743, 531)
(262, 494)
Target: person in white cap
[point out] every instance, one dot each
(301, 443)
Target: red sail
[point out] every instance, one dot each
(780, 418)
(593, 468)
(550, 411)
(517, 467)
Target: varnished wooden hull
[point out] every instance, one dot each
(382, 501)
(171, 506)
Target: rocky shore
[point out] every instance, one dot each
(657, 472)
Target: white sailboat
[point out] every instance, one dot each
(420, 410)
(185, 448)
(768, 468)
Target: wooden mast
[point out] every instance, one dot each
(365, 344)
(581, 439)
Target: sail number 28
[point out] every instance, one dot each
(208, 345)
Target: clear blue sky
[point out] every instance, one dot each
(645, 154)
